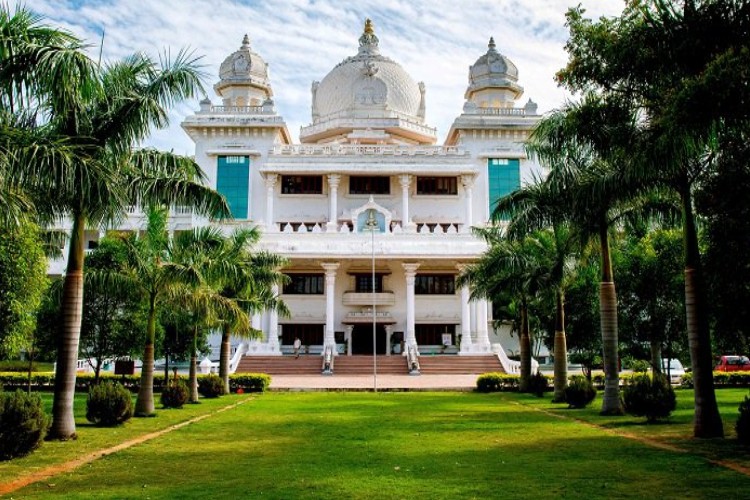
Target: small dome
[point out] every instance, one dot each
(366, 82)
(244, 67)
(493, 70)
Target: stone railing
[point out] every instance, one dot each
(510, 365)
(437, 228)
(501, 111)
(366, 149)
(376, 120)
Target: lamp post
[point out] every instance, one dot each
(372, 225)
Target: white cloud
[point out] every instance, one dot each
(434, 40)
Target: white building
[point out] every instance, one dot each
(367, 159)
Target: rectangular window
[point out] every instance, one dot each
(301, 184)
(504, 177)
(437, 185)
(435, 284)
(433, 334)
(307, 334)
(305, 284)
(233, 181)
(369, 185)
(363, 283)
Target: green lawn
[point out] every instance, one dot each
(399, 445)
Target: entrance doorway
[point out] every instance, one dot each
(362, 339)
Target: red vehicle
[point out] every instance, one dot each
(733, 364)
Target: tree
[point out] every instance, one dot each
(624, 57)
(23, 281)
(113, 319)
(510, 271)
(80, 160)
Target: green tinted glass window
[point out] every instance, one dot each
(233, 181)
(504, 177)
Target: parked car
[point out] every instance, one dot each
(733, 364)
(674, 369)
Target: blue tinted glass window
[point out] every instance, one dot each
(504, 177)
(233, 181)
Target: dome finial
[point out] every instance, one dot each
(491, 45)
(245, 42)
(369, 28)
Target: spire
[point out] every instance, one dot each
(245, 42)
(491, 45)
(368, 42)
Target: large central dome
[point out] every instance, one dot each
(366, 86)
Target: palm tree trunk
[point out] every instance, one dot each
(561, 349)
(707, 422)
(144, 405)
(224, 357)
(608, 317)
(523, 384)
(63, 423)
(194, 368)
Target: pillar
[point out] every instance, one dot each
(255, 322)
(406, 223)
(388, 334)
(466, 344)
(483, 339)
(333, 194)
(348, 336)
(468, 182)
(329, 337)
(270, 191)
(410, 270)
(273, 325)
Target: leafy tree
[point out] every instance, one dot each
(23, 281)
(113, 319)
(708, 50)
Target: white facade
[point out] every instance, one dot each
(366, 155)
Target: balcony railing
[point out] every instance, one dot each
(366, 149)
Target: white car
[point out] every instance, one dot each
(674, 369)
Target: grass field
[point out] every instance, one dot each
(397, 445)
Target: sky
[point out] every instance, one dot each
(435, 41)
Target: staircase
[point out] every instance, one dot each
(362, 365)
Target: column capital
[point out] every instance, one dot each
(271, 179)
(334, 180)
(467, 180)
(330, 267)
(461, 266)
(405, 180)
(410, 268)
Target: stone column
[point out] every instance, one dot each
(348, 335)
(406, 223)
(483, 339)
(329, 337)
(255, 322)
(410, 270)
(270, 192)
(273, 326)
(333, 194)
(468, 183)
(466, 344)
(388, 334)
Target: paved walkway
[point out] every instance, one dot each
(368, 382)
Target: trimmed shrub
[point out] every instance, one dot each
(579, 392)
(495, 382)
(175, 395)
(538, 384)
(23, 424)
(743, 422)
(109, 404)
(211, 386)
(648, 397)
(249, 382)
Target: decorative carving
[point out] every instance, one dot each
(369, 69)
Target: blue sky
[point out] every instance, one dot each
(302, 40)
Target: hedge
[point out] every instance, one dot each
(722, 379)
(248, 382)
(497, 382)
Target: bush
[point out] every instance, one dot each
(495, 381)
(175, 395)
(652, 398)
(538, 384)
(211, 386)
(249, 382)
(579, 392)
(743, 422)
(109, 404)
(23, 424)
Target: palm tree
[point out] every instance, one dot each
(247, 278)
(85, 167)
(515, 268)
(540, 207)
